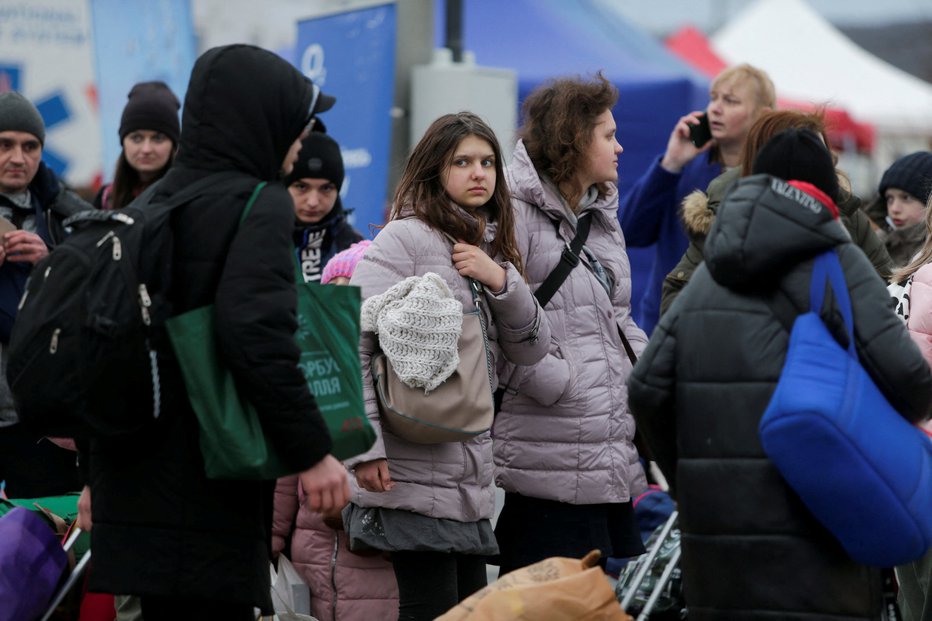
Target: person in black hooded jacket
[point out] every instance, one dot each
(751, 550)
(192, 547)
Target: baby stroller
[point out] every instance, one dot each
(651, 586)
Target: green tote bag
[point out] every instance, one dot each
(232, 441)
(328, 336)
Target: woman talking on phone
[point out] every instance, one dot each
(649, 212)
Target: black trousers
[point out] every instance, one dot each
(156, 608)
(33, 467)
(431, 583)
(532, 529)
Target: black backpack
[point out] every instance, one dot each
(81, 354)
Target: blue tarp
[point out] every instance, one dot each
(543, 39)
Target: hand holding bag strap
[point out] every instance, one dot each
(475, 288)
(569, 259)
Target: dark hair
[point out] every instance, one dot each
(799, 154)
(557, 130)
(421, 190)
(127, 184)
(773, 122)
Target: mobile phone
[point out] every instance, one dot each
(5, 227)
(699, 134)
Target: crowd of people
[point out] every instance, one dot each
(406, 530)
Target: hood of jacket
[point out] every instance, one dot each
(764, 227)
(243, 110)
(525, 184)
(699, 208)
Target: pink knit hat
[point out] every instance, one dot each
(343, 263)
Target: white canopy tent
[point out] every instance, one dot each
(809, 59)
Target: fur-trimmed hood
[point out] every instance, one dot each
(697, 214)
(699, 208)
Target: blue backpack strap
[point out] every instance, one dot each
(828, 267)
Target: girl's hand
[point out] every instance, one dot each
(373, 476)
(473, 262)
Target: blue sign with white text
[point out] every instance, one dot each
(138, 42)
(352, 57)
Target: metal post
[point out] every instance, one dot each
(454, 29)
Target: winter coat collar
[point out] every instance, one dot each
(490, 225)
(526, 185)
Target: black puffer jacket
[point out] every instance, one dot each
(160, 527)
(751, 550)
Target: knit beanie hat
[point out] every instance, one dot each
(151, 106)
(419, 324)
(911, 173)
(17, 114)
(319, 158)
(344, 263)
(798, 154)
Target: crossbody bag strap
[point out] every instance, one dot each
(569, 259)
(628, 349)
(177, 199)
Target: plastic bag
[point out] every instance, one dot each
(291, 597)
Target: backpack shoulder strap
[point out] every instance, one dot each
(569, 259)
(146, 198)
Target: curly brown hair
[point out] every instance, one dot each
(558, 121)
(421, 190)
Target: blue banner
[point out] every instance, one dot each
(138, 41)
(352, 57)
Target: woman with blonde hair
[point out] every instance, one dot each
(649, 212)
